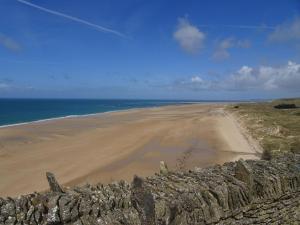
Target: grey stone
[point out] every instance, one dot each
(143, 201)
(163, 167)
(54, 185)
(244, 173)
(243, 192)
(52, 216)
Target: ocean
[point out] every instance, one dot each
(16, 111)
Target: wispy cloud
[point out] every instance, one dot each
(4, 86)
(29, 62)
(222, 50)
(9, 88)
(75, 19)
(189, 37)
(9, 43)
(288, 31)
(249, 27)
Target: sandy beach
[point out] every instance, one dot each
(112, 146)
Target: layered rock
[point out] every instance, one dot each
(243, 192)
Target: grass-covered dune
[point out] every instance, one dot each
(275, 124)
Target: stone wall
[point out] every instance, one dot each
(243, 192)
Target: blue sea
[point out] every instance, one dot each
(16, 111)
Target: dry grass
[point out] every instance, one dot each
(277, 130)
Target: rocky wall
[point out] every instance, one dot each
(242, 192)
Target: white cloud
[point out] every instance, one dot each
(194, 83)
(285, 78)
(245, 70)
(4, 86)
(223, 47)
(9, 43)
(289, 31)
(196, 79)
(189, 37)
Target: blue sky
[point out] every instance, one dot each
(150, 49)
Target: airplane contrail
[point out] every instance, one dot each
(240, 26)
(251, 27)
(78, 20)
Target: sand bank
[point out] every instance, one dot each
(117, 145)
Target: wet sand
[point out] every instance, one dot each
(112, 146)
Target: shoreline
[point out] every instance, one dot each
(112, 111)
(84, 115)
(61, 118)
(116, 145)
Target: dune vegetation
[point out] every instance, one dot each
(275, 124)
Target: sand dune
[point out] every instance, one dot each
(112, 146)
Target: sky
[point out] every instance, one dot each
(154, 49)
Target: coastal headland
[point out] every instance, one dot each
(113, 146)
